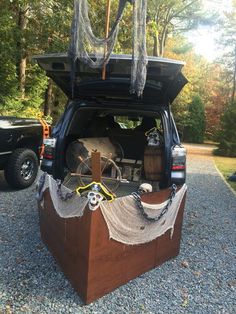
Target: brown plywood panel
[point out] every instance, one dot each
(95, 264)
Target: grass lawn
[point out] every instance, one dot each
(227, 166)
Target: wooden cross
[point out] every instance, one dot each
(96, 166)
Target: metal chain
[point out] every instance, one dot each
(66, 196)
(40, 186)
(137, 198)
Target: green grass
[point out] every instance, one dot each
(226, 166)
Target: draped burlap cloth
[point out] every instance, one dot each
(127, 224)
(72, 207)
(124, 219)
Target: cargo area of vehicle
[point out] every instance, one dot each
(131, 147)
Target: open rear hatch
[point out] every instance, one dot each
(164, 78)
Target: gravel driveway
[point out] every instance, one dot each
(202, 279)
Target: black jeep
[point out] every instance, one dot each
(137, 137)
(21, 143)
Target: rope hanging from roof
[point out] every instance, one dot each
(82, 37)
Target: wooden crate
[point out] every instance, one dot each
(94, 264)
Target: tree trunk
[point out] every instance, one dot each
(155, 45)
(22, 59)
(163, 35)
(162, 41)
(162, 47)
(234, 78)
(48, 99)
(22, 75)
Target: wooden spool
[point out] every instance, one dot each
(82, 148)
(153, 163)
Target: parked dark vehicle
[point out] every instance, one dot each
(142, 130)
(21, 143)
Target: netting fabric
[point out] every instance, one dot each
(83, 40)
(139, 57)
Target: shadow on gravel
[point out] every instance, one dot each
(3, 184)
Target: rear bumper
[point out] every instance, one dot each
(178, 177)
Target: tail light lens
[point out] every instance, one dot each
(178, 167)
(46, 133)
(49, 146)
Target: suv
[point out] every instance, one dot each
(21, 143)
(138, 134)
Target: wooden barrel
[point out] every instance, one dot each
(153, 163)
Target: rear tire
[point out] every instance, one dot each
(22, 168)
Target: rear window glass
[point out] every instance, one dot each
(96, 122)
(147, 123)
(128, 122)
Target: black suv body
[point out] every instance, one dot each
(20, 146)
(105, 109)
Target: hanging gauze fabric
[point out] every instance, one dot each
(82, 37)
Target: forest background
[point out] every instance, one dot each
(204, 109)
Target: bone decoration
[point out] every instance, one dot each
(144, 188)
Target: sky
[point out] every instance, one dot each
(204, 38)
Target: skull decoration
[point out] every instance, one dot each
(153, 138)
(144, 188)
(95, 199)
(95, 192)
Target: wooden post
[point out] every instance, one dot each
(106, 34)
(96, 166)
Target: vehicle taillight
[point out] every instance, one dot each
(178, 167)
(49, 146)
(46, 133)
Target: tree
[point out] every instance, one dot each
(166, 17)
(196, 70)
(195, 130)
(227, 43)
(30, 27)
(216, 101)
(226, 136)
(7, 55)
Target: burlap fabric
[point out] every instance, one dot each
(72, 207)
(126, 223)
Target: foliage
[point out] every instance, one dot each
(215, 103)
(227, 43)
(195, 129)
(29, 27)
(204, 79)
(46, 29)
(7, 54)
(168, 17)
(193, 70)
(226, 136)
